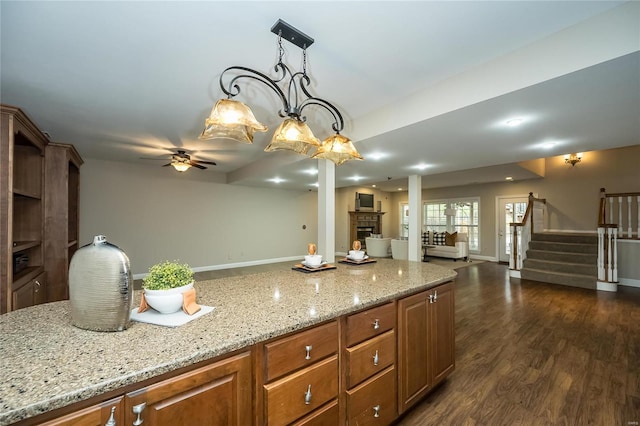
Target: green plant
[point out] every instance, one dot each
(166, 275)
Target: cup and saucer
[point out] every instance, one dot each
(313, 261)
(357, 255)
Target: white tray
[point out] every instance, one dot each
(176, 319)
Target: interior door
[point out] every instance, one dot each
(509, 210)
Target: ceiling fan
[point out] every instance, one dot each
(181, 161)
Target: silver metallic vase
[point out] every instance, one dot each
(100, 287)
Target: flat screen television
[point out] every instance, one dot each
(365, 201)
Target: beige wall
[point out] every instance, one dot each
(572, 194)
(156, 214)
(153, 213)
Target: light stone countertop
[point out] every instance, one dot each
(46, 363)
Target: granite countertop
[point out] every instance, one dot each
(47, 363)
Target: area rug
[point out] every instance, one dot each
(449, 263)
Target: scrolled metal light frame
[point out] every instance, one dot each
(297, 81)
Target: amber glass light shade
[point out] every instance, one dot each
(293, 135)
(338, 149)
(232, 120)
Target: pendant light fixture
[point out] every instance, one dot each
(232, 119)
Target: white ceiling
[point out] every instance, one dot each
(420, 83)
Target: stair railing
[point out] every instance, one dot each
(609, 233)
(521, 232)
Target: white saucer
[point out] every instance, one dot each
(358, 260)
(324, 262)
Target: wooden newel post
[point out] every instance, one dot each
(602, 213)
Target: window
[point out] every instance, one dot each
(463, 217)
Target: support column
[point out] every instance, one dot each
(415, 218)
(326, 210)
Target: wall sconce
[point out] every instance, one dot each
(573, 158)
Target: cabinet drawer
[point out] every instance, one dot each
(370, 357)
(290, 353)
(325, 416)
(285, 398)
(374, 321)
(374, 401)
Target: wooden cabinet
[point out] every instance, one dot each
(216, 394)
(362, 224)
(33, 292)
(22, 148)
(369, 366)
(62, 186)
(96, 415)
(300, 377)
(426, 342)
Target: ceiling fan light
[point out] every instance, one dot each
(231, 119)
(180, 166)
(338, 149)
(293, 135)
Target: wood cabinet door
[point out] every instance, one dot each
(374, 401)
(214, 395)
(442, 320)
(23, 296)
(328, 415)
(413, 350)
(96, 415)
(302, 392)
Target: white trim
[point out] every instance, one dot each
(627, 241)
(605, 286)
(629, 282)
(498, 216)
(514, 274)
(233, 265)
(569, 231)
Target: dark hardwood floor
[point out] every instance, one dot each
(529, 353)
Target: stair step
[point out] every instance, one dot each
(590, 238)
(589, 269)
(573, 280)
(564, 247)
(559, 256)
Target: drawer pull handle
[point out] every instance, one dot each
(307, 396)
(376, 411)
(431, 298)
(435, 296)
(308, 349)
(376, 324)
(112, 418)
(376, 358)
(137, 409)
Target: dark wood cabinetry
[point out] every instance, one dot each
(22, 148)
(363, 224)
(62, 191)
(426, 343)
(39, 189)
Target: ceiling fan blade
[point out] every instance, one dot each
(166, 165)
(158, 158)
(205, 162)
(198, 166)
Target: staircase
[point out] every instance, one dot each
(562, 258)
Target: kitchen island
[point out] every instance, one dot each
(48, 364)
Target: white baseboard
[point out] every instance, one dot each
(629, 282)
(605, 286)
(514, 274)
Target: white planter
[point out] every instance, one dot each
(166, 301)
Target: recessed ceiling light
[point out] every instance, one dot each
(420, 166)
(399, 189)
(509, 178)
(311, 171)
(317, 185)
(548, 145)
(356, 178)
(276, 180)
(514, 122)
(376, 156)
